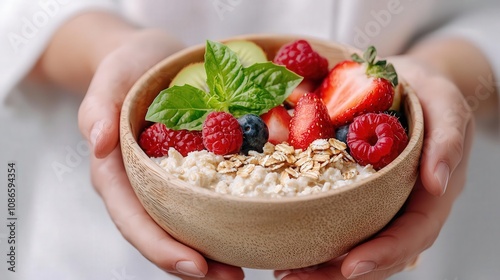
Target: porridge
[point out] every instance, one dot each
(280, 171)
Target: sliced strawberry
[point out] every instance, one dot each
(358, 86)
(307, 85)
(277, 121)
(310, 122)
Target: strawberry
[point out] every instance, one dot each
(310, 122)
(358, 86)
(307, 85)
(277, 120)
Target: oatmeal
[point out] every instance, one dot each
(280, 171)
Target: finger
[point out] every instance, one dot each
(99, 112)
(405, 238)
(136, 225)
(446, 117)
(332, 271)
(217, 271)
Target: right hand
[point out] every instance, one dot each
(99, 123)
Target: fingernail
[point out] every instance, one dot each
(362, 268)
(188, 268)
(442, 174)
(283, 274)
(96, 131)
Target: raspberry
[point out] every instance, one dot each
(155, 140)
(222, 133)
(187, 141)
(300, 58)
(376, 139)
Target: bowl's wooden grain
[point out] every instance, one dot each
(261, 232)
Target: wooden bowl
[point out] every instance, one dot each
(264, 233)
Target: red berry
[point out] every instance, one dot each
(222, 133)
(300, 58)
(310, 121)
(187, 141)
(155, 140)
(277, 121)
(376, 139)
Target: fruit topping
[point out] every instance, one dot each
(248, 52)
(341, 133)
(255, 133)
(300, 58)
(187, 141)
(232, 88)
(376, 139)
(193, 74)
(277, 121)
(222, 133)
(307, 85)
(310, 122)
(157, 139)
(358, 86)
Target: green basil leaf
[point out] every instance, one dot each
(276, 81)
(225, 76)
(255, 100)
(181, 107)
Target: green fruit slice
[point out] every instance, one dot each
(194, 74)
(248, 52)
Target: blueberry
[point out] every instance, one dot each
(255, 133)
(341, 133)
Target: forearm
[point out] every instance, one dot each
(466, 66)
(80, 46)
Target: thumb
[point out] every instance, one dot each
(99, 112)
(98, 116)
(448, 119)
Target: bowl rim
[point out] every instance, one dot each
(126, 129)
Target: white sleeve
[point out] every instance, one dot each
(481, 27)
(26, 27)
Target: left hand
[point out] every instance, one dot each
(448, 136)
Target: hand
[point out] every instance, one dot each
(448, 135)
(99, 123)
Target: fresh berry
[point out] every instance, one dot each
(341, 133)
(155, 140)
(255, 133)
(187, 141)
(310, 122)
(277, 120)
(400, 116)
(307, 85)
(376, 139)
(358, 86)
(222, 133)
(300, 58)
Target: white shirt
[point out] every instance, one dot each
(64, 231)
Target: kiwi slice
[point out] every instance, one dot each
(248, 52)
(194, 74)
